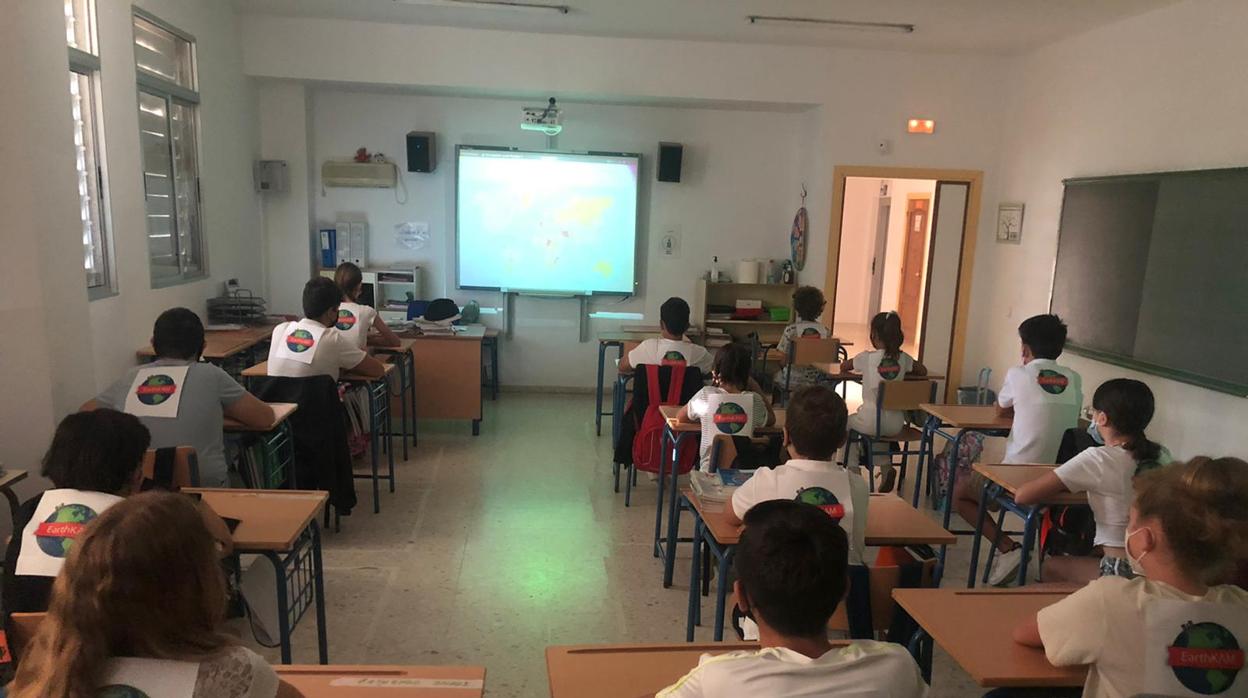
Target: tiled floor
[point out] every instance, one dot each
(496, 546)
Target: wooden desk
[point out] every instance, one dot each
(223, 344)
(448, 377)
(261, 370)
(625, 671)
(972, 417)
(834, 371)
(976, 627)
(1011, 478)
(281, 412)
(315, 681)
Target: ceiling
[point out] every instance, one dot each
(980, 26)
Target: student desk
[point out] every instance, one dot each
(448, 375)
(964, 419)
(278, 443)
(315, 681)
(406, 363)
(890, 521)
(8, 478)
(674, 433)
(976, 629)
(624, 671)
(835, 372)
(281, 525)
(617, 340)
(1001, 484)
(225, 347)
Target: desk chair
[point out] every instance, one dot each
(170, 468)
(619, 401)
(22, 630)
(902, 396)
(807, 351)
(868, 610)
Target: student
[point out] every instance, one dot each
(313, 346)
(885, 361)
(814, 430)
(95, 459)
(672, 347)
(1188, 525)
(195, 400)
(730, 376)
(355, 320)
(143, 582)
(1044, 399)
(791, 569)
(808, 303)
(1122, 409)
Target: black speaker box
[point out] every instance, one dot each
(670, 155)
(422, 151)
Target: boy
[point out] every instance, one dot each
(814, 430)
(672, 347)
(791, 574)
(313, 346)
(1044, 398)
(808, 303)
(182, 401)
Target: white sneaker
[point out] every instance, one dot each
(1005, 567)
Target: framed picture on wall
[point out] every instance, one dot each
(1010, 223)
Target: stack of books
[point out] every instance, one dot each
(719, 485)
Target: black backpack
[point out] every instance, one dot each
(1068, 530)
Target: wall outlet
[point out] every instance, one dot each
(883, 146)
(669, 243)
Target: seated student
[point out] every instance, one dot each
(191, 397)
(1044, 398)
(356, 320)
(814, 430)
(313, 346)
(808, 304)
(1188, 525)
(791, 574)
(142, 583)
(672, 347)
(885, 361)
(1122, 409)
(730, 377)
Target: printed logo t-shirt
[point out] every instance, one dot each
(1046, 398)
(720, 412)
(658, 351)
(354, 322)
(877, 368)
(1106, 474)
(331, 352)
(801, 330)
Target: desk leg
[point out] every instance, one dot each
(494, 369)
(921, 649)
(283, 605)
(390, 438)
(602, 360)
(1029, 539)
(318, 578)
(476, 427)
(948, 499)
(412, 396)
(374, 443)
(926, 456)
(675, 502)
(673, 532)
(979, 535)
(405, 381)
(662, 482)
(695, 568)
(721, 592)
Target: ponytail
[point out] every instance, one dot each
(886, 333)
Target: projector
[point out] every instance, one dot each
(543, 119)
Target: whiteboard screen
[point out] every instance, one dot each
(546, 221)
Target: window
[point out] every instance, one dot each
(84, 79)
(168, 135)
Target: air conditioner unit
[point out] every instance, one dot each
(344, 173)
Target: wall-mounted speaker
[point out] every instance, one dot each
(670, 155)
(422, 151)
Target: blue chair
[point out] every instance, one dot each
(900, 396)
(805, 351)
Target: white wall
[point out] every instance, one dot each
(1161, 91)
(859, 217)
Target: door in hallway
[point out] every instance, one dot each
(912, 259)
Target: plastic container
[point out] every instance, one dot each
(779, 314)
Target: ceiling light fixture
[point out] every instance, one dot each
(492, 5)
(835, 23)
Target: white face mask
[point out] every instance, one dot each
(1136, 567)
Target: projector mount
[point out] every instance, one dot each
(547, 120)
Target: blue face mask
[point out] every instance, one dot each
(1095, 433)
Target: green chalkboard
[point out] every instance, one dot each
(1152, 274)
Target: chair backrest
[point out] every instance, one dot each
(883, 608)
(906, 394)
(724, 451)
(813, 350)
(24, 626)
(629, 346)
(185, 471)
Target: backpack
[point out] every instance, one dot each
(648, 443)
(1067, 530)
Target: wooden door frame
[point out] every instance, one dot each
(974, 179)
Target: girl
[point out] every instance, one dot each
(1187, 528)
(354, 319)
(808, 303)
(884, 362)
(730, 375)
(142, 582)
(1121, 410)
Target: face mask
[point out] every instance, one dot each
(1095, 432)
(1136, 567)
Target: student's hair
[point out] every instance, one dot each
(1128, 406)
(808, 302)
(1045, 335)
(178, 334)
(96, 451)
(319, 296)
(791, 562)
(732, 364)
(886, 333)
(1202, 506)
(675, 315)
(348, 278)
(142, 580)
(816, 422)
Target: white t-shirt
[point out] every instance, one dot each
(799, 330)
(865, 668)
(1046, 398)
(1106, 474)
(332, 352)
(837, 491)
(877, 368)
(355, 321)
(658, 351)
(716, 403)
(1104, 624)
(235, 672)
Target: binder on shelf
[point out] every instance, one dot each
(329, 248)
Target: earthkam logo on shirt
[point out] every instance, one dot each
(1052, 382)
(673, 358)
(346, 320)
(730, 418)
(824, 499)
(156, 389)
(889, 368)
(299, 341)
(56, 534)
(1206, 658)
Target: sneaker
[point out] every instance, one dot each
(887, 480)
(1005, 567)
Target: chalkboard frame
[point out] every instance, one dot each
(1131, 362)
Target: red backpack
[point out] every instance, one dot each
(648, 444)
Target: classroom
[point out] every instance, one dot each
(597, 348)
